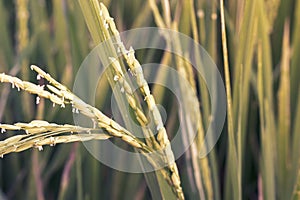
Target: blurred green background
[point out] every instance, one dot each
(262, 158)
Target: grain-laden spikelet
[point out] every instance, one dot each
(144, 87)
(128, 55)
(67, 95)
(18, 83)
(98, 114)
(38, 70)
(103, 119)
(35, 130)
(135, 67)
(58, 139)
(169, 156)
(76, 138)
(87, 113)
(116, 125)
(55, 99)
(55, 90)
(44, 94)
(39, 123)
(114, 132)
(47, 141)
(116, 65)
(60, 96)
(157, 118)
(71, 127)
(9, 127)
(127, 88)
(25, 146)
(24, 125)
(104, 125)
(131, 141)
(13, 139)
(150, 102)
(48, 77)
(61, 139)
(142, 117)
(175, 179)
(131, 101)
(13, 80)
(24, 85)
(161, 133)
(15, 144)
(7, 149)
(140, 121)
(32, 88)
(30, 125)
(79, 104)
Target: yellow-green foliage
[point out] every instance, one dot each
(255, 45)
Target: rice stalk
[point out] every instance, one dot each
(22, 40)
(40, 133)
(108, 27)
(157, 16)
(61, 96)
(295, 180)
(6, 51)
(267, 159)
(284, 114)
(246, 35)
(272, 11)
(262, 60)
(202, 175)
(295, 60)
(235, 178)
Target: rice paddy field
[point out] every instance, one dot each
(202, 96)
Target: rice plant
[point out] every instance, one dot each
(253, 43)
